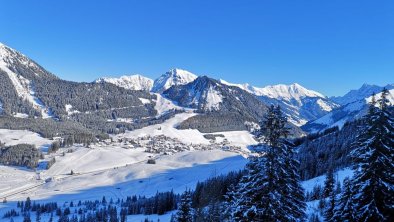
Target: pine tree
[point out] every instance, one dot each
(38, 216)
(329, 191)
(330, 210)
(344, 211)
(26, 217)
(270, 190)
(329, 184)
(373, 155)
(185, 210)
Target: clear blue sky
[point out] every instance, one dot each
(329, 46)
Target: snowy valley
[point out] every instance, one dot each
(141, 149)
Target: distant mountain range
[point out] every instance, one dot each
(29, 91)
(356, 107)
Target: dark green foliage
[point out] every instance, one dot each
(330, 192)
(185, 210)
(319, 152)
(345, 209)
(270, 190)
(214, 189)
(47, 128)
(20, 155)
(373, 154)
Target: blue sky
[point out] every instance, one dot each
(329, 46)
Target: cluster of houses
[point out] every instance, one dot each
(162, 144)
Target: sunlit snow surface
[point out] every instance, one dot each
(114, 171)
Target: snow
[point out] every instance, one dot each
(144, 101)
(25, 90)
(153, 217)
(21, 115)
(324, 105)
(340, 175)
(244, 86)
(172, 78)
(280, 91)
(115, 170)
(177, 172)
(355, 106)
(163, 105)
(287, 92)
(350, 111)
(187, 136)
(168, 129)
(213, 99)
(132, 82)
(69, 109)
(300, 105)
(14, 137)
(390, 97)
(9, 55)
(365, 91)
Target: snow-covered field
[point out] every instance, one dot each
(188, 136)
(340, 175)
(113, 170)
(14, 137)
(177, 172)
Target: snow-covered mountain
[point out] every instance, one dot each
(132, 82)
(17, 76)
(203, 94)
(28, 90)
(365, 91)
(223, 107)
(174, 77)
(300, 104)
(343, 114)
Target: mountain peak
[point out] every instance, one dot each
(286, 92)
(173, 77)
(365, 91)
(132, 82)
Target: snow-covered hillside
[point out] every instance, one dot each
(115, 169)
(14, 137)
(364, 91)
(132, 82)
(9, 59)
(174, 77)
(345, 113)
(299, 104)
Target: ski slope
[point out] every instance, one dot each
(177, 172)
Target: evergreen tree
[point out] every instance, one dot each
(38, 216)
(374, 164)
(330, 210)
(185, 210)
(270, 190)
(329, 184)
(26, 217)
(344, 211)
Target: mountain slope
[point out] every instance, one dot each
(298, 103)
(222, 107)
(29, 91)
(364, 91)
(174, 77)
(343, 114)
(18, 74)
(133, 82)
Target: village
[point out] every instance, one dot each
(161, 144)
